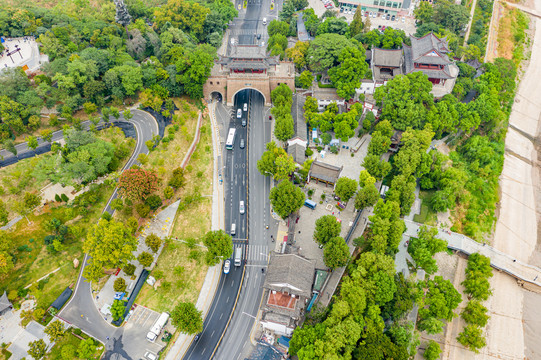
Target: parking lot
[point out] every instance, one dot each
(135, 331)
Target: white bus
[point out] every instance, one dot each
(230, 139)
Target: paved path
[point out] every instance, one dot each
(498, 259)
(467, 36)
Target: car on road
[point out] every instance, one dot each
(258, 36)
(239, 113)
(264, 21)
(241, 207)
(243, 121)
(227, 266)
(245, 107)
(242, 143)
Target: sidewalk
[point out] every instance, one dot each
(183, 342)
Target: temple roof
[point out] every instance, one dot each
(429, 49)
(387, 57)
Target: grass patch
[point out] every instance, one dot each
(32, 260)
(5, 354)
(175, 287)
(427, 215)
(512, 34)
(191, 221)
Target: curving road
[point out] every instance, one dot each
(81, 310)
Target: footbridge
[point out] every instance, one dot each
(527, 275)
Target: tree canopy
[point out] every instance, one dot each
(286, 198)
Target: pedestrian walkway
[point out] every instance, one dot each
(258, 254)
(498, 260)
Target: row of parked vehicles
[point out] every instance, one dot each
(328, 4)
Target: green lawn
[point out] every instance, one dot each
(427, 215)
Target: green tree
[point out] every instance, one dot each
(195, 69)
(129, 269)
(335, 253)
(119, 285)
(109, 243)
(424, 12)
(472, 338)
(55, 330)
(345, 188)
(127, 115)
(286, 198)
(10, 146)
(432, 351)
(451, 15)
(117, 204)
(145, 259)
(117, 309)
(32, 142)
(478, 272)
(46, 135)
(278, 27)
(154, 242)
(475, 313)
(324, 51)
(356, 26)
(283, 127)
(376, 167)
(187, 318)
(327, 227)
(305, 79)
(115, 112)
(405, 99)
(276, 162)
(366, 197)
(219, 246)
(37, 349)
(86, 349)
(347, 76)
(423, 248)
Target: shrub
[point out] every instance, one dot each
(309, 152)
(177, 180)
(119, 285)
(129, 269)
(57, 198)
(145, 259)
(142, 209)
(168, 192)
(12, 295)
(106, 216)
(64, 197)
(38, 314)
(153, 201)
(132, 224)
(158, 274)
(153, 242)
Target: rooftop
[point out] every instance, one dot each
(325, 172)
(387, 57)
(282, 300)
(429, 49)
(290, 273)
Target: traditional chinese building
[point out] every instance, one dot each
(427, 54)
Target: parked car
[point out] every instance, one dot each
(341, 10)
(403, 19)
(393, 18)
(388, 16)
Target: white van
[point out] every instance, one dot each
(233, 229)
(239, 113)
(238, 256)
(264, 21)
(157, 327)
(245, 108)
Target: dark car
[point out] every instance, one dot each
(393, 18)
(258, 36)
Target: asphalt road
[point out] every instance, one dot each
(235, 173)
(81, 310)
(236, 342)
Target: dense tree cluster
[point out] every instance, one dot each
(386, 229)
(282, 99)
(478, 272)
(441, 300)
(276, 162)
(423, 248)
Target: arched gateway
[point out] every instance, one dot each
(248, 67)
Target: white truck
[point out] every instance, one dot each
(157, 327)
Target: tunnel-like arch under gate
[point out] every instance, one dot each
(248, 67)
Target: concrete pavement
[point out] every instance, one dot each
(498, 260)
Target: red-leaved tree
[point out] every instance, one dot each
(137, 184)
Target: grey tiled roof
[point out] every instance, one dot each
(298, 152)
(387, 57)
(429, 44)
(290, 273)
(4, 303)
(323, 171)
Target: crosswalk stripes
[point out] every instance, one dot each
(258, 254)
